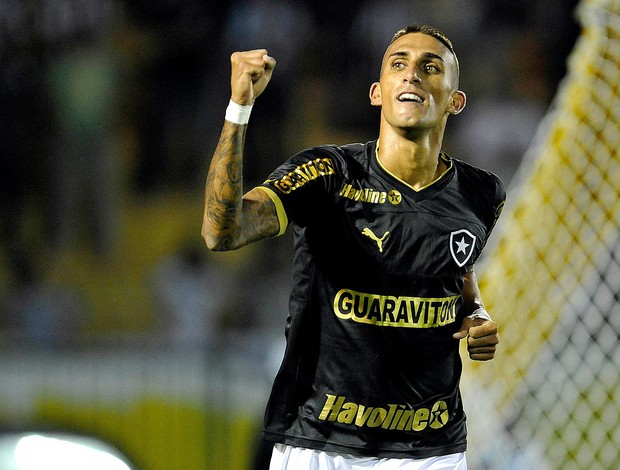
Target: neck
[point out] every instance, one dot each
(415, 161)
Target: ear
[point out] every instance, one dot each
(375, 94)
(457, 102)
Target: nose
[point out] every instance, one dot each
(412, 75)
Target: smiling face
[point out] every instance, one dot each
(418, 87)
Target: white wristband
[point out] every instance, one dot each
(238, 113)
(480, 313)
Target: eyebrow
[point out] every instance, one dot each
(428, 55)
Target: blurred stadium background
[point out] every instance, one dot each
(116, 323)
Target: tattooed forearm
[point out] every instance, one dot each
(229, 219)
(223, 188)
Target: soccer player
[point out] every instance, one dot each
(386, 234)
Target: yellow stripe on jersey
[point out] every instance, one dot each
(282, 218)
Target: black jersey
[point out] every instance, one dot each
(370, 366)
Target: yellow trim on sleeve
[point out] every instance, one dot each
(282, 218)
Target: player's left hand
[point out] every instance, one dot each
(482, 338)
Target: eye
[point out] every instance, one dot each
(398, 64)
(431, 68)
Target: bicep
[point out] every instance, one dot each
(259, 217)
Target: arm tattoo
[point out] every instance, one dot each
(232, 220)
(224, 182)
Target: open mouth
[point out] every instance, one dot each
(410, 97)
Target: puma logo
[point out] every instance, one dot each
(372, 236)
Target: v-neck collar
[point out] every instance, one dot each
(436, 184)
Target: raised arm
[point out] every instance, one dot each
(232, 219)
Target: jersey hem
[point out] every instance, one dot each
(277, 438)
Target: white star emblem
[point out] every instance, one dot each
(462, 246)
(462, 250)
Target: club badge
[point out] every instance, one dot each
(462, 243)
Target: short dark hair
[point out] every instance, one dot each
(425, 29)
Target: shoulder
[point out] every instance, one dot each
(484, 189)
(481, 179)
(347, 159)
(347, 152)
(321, 168)
(354, 158)
(334, 151)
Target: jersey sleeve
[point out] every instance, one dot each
(497, 205)
(488, 196)
(302, 182)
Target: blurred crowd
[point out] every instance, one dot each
(104, 101)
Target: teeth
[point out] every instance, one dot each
(410, 97)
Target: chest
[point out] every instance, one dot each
(388, 232)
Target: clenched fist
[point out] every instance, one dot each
(482, 338)
(250, 74)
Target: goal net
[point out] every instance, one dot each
(551, 280)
